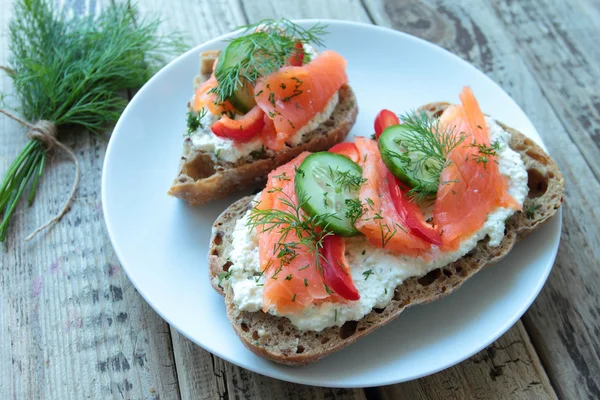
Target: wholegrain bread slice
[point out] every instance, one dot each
(201, 178)
(276, 339)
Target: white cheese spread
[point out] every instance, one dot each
(376, 272)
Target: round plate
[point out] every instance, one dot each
(162, 242)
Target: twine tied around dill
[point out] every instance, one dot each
(45, 131)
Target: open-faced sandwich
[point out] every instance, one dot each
(339, 243)
(267, 97)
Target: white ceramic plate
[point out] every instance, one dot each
(162, 243)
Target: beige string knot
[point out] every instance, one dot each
(45, 131)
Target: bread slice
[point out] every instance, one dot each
(201, 179)
(276, 339)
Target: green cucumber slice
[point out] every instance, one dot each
(327, 185)
(243, 96)
(411, 166)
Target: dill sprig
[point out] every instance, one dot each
(194, 120)
(73, 71)
(264, 47)
(485, 152)
(427, 145)
(292, 219)
(345, 180)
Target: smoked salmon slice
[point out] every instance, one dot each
(205, 98)
(471, 186)
(292, 96)
(292, 279)
(380, 223)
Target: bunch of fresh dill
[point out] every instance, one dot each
(73, 71)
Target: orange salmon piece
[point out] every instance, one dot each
(292, 96)
(469, 190)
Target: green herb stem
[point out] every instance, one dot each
(36, 179)
(17, 186)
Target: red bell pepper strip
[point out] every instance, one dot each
(336, 273)
(297, 57)
(384, 119)
(347, 149)
(411, 213)
(240, 130)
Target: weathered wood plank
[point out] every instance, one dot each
(565, 61)
(506, 370)
(71, 324)
(533, 67)
(200, 373)
(565, 322)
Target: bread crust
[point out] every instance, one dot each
(200, 179)
(276, 339)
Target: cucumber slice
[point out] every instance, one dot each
(411, 166)
(243, 96)
(325, 183)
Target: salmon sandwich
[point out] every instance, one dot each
(340, 242)
(266, 98)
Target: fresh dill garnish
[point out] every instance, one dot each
(306, 266)
(283, 176)
(426, 144)
(263, 48)
(341, 265)
(294, 297)
(345, 180)
(354, 210)
(277, 272)
(194, 120)
(531, 209)
(260, 153)
(294, 220)
(224, 275)
(217, 153)
(484, 152)
(367, 273)
(257, 277)
(305, 282)
(71, 70)
(289, 277)
(335, 318)
(386, 234)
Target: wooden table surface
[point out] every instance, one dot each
(72, 326)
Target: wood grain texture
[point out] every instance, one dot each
(556, 41)
(505, 370)
(534, 50)
(71, 324)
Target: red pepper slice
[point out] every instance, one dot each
(336, 273)
(347, 149)
(297, 57)
(384, 119)
(243, 129)
(411, 213)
